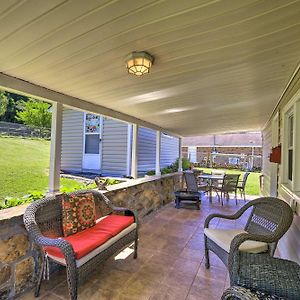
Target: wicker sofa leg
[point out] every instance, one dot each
(72, 279)
(207, 264)
(40, 278)
(136, 246)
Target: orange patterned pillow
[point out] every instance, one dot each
(79, 213)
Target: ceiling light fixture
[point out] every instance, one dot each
(139, 63)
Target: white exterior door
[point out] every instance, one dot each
(92, 142)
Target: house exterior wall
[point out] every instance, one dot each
(204, 156)
(169, 150)
(114, 148)
(146, 149)
(72, 140)
(274, 134)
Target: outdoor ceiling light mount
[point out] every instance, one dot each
(139, 63)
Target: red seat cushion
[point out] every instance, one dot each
(113, 224)
(87, 240)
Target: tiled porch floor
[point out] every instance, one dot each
(170, 264)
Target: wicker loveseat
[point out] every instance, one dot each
(43, 221)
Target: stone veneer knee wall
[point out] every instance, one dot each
(19, 257)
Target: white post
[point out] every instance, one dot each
(134, 150)
(180, 156)
(55, 148)
(158, 146)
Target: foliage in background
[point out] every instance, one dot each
(35, 113)
(9, 106)
(186, 165)
(252, 185)
(36, 195)
(3, 103)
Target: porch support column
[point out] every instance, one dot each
(55, 148)
(134, 151)
(158, 147)
(180, 156)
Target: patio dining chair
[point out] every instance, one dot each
(229, 185)
(242, 184)
(193, 184)
(269, 220)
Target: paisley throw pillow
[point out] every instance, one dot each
(79, 213)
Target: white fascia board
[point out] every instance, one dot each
(22, 87)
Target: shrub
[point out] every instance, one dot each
(186, 165)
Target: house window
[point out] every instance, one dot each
(290, 123)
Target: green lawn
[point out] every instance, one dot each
(252, 186)
(24, 167)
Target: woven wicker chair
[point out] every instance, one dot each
(43, 221)
(260, 276)
(270, 218)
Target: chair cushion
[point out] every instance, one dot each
(87, 240)
(223, 238)
(79, 212)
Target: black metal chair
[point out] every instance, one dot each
(242, 184)
(229, 185)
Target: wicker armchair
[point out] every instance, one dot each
(43, 221)
(270, 218)
(263, 277)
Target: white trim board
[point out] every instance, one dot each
(19, 86)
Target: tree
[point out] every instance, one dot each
(34, 113)
(3, 103)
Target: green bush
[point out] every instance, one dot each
(186, 165)
(35, 195)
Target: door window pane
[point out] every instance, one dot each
(92, 143)
(92, 123)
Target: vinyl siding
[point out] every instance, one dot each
(146, 150)
(267, 146)
(169, 150)
(289, 244)
(114, 148)
(72, 140)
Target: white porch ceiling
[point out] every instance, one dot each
(220, 66)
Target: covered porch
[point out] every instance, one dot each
(217, 67)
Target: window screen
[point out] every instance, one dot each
(92, 143)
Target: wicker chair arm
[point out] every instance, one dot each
(126, 210)
(238, 292)
(44, 241)
(228, 217)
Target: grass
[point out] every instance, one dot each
(24, 167)
(252, 185)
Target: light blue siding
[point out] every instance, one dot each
(114, 148)
(72, 140)
(169, 150)
(146, 149)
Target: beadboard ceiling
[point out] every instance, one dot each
(220, 66)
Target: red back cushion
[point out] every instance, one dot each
(79, 212)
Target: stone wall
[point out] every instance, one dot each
(19, 258)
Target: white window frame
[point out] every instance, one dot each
(292, 108)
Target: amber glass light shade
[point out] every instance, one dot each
(139, 63)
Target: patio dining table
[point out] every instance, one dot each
(210, 178)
